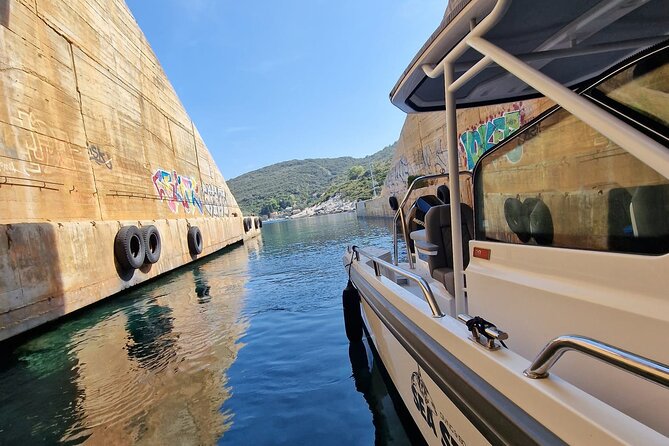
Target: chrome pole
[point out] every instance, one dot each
(422, 283)
(396, 249)
(406, 237)
(637, 365)
(454, 183)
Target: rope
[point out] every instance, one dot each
(479, 324)
(348, 267)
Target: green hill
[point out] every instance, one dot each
(303, 183)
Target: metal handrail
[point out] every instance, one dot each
(422, 283)
(400, 214)
(635, 364)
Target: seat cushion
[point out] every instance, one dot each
(445, 276)
(418, 236)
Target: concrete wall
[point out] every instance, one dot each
(92, 136)
(422, 150)
(52, 269)
(379, 207)
(374, 208)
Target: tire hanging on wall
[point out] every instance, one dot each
(255, 222)
(152, 243)
(247, 226)
(129, 248)
(260, 222)
(394, 204)
(541, 224)
(517, 219)
(194, 240)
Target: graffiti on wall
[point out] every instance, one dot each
(399, 172)
(177, 189)
(483, 136)
(432, 158)
(40, 145)
(422, 147)
(215, 200)
(99, 156)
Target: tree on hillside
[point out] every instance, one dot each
(271, 205)
(356, 172)
(303, 183)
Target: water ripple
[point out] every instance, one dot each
(155, 365)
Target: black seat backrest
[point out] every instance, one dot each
(438, 232)
(444, 194)
(649, 209)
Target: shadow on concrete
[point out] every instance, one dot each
(31, 279)
(4, 12)
(125, 274)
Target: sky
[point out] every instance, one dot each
(266, 81)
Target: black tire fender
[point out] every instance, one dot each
(255, 222)
(394, 204)
(195, 243)
(247, 227)
(152, 243)
(260, 222)
(541, 224)
(352, 313)
(528, 206)
(129, 248)
(517, 219)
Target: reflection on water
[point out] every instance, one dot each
(141, 367)
(369, 380)
(245, 347)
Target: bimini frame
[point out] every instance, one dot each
(638, 144)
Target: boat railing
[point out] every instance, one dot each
(421, 282)
(635, 364)
(399, 215)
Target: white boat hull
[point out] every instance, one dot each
(458, 392)
(438, 419)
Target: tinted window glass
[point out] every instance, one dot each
(643, 87)
(561, 183)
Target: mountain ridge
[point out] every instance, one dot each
(297, 184)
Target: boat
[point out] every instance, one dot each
(105, 181)
(535, 313)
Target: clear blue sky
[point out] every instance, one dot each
(274, 80)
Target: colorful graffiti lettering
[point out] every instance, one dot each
(215, 200)
(177, 189)
(478, 140)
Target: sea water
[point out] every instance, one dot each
(245, 347)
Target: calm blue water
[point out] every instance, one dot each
(245, 347)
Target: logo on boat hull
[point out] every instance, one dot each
(435, 420)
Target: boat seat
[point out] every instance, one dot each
(418, 236)
(438, 232)
(447, 277)
(444, 194)
(649, 208)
